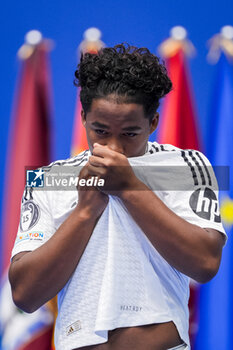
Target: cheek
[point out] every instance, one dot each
(91, 135)
(91, 138)
(137, 147)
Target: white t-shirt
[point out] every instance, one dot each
(121, 279)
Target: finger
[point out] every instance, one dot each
(103, 152)
(96, 170)
(96, 144)
(97, 161)
(84, 170)
(83, 173)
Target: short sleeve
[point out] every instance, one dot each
(199, 202)
(36, 221)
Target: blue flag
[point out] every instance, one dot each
(216, 297)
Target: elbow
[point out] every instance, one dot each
(19, 295)
(208, 270)
(21, 302)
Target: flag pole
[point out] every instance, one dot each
(177, 41)
(221, 42)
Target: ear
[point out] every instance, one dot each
(83, 117)
(154, 122)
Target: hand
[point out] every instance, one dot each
(113, 168)
(91, 200)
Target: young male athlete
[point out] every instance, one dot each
(120, 255)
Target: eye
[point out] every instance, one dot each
(101, 132)
(130, 134)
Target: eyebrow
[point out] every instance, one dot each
(132, 128)
(100, 125)
(128, 128)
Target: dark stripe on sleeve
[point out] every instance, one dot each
(59, 163)
(198, 166)
(166, 150)
(27, 194)
(77, 158)
(155, 148)
(74, 160)
(194, 175)
(205, 167)
(162, 148)
(83, 160)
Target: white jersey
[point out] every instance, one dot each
(121, 279)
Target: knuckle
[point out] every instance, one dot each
(108, 162)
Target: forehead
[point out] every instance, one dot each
(110, 111)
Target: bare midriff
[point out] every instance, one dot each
(159, 336)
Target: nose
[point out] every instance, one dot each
(115, 145)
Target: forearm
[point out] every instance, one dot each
(39, 275)
(187, 247)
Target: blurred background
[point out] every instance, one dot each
(206, 91)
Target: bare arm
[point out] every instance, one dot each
(191, 249)
(39, 275)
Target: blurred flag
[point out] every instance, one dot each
(216, 304)
(79, 142)
(178, 121)
(91, 44)
(22, 331)
(29, 145)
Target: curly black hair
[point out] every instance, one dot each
(133, 75)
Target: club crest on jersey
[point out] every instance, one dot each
(204, 203)
(35, 178)
(30, 213)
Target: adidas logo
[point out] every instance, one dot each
(74, 327)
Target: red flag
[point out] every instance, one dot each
(29, 146)
(40, 341)
(79, 142)
(29, 143)
(178, 121)
(178, 126)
